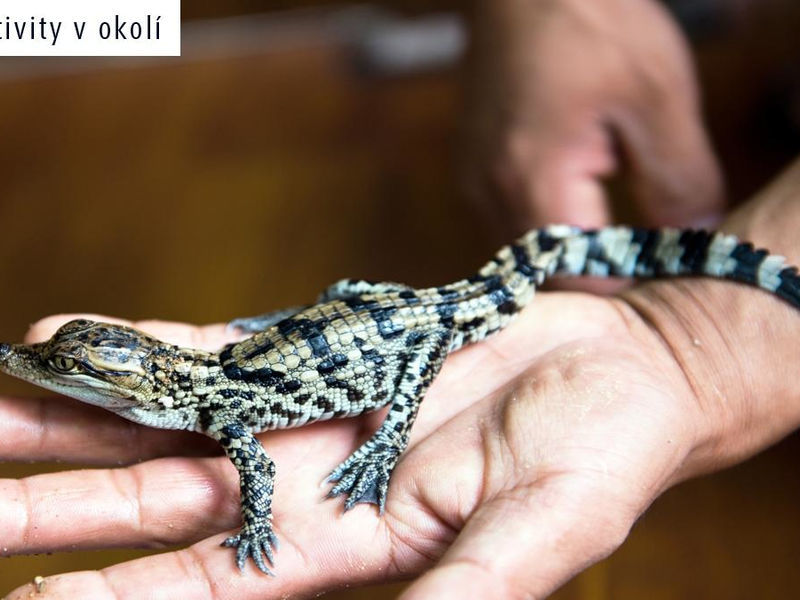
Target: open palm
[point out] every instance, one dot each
(533, 454)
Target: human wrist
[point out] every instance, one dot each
(733, 342)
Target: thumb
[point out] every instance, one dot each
(675, 178)
(524, 544)
(552, 173)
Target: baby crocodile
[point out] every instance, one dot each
(362, 346)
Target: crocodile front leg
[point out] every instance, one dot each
(364, 476)
(341, 290)
(256, 474)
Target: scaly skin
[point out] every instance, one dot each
(363, 346)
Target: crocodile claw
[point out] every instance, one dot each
(254, 545)
(364, 477)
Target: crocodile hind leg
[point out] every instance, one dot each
(364, 476)
(350, 288)
(260, 323)
(341, 290)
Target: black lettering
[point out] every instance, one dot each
(119, 34)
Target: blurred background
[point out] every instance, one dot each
(295, 143)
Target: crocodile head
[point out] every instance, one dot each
(98, 363)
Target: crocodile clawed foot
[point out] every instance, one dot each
(364, 477)
(255, 545)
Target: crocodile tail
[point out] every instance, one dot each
(488, 300)
(652, 253)
(485, 302)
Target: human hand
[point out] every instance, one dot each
(564, 93)
(533, 454)
(545, 441)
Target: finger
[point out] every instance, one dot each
(153, 504)
(62, 429)
(320, 547)
(206, 571)
(163, 501)
(550, 545)
(675, 176)
(539, 492)
(206, 337)
(553, 174)
(526, 523)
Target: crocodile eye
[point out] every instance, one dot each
(63, 364)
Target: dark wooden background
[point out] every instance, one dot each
(234, 181)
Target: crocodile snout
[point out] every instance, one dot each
(5, 350)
